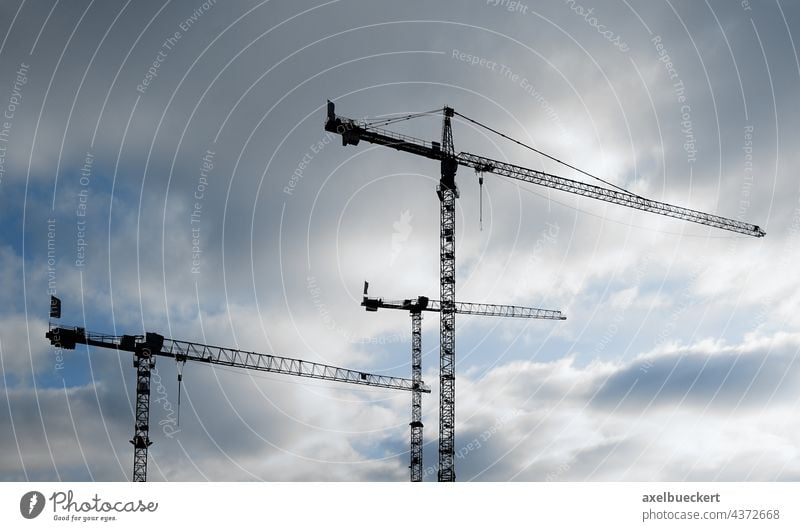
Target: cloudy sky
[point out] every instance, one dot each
(171, 159)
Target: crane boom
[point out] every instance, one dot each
(503, 310)
(188, 351)
(619, 197)
(466, 308)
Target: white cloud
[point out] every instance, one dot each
(23, 346)
(696, 413)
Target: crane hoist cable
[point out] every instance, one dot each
(542, 153)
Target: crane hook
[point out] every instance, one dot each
(480, 199)
(180, 365)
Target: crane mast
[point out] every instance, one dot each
(415, 307)
(415, 451)
(146, 348)
(353, 131)
(448, 192)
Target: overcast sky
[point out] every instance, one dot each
(173, 158)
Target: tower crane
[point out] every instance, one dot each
(353, 131)
(415, 307)
(146, 348)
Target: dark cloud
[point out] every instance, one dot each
(712, 378)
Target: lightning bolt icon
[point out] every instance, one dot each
(32, 503)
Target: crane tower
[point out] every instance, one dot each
(415, 307)
(146, 348)
(353, 131)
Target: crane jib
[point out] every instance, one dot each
(618, 197)
(157, 345)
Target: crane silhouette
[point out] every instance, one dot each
(353, 131)
(146, 348)
(415, 307)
